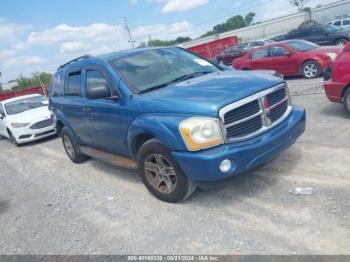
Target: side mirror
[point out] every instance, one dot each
(2, 116)
(98, 92)
(287, 53)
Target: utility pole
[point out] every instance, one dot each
(150, 39)
(128, 29)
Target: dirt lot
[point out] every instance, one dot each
(49, 205)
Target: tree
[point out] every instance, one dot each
(299, 4)
(233, 23)
(249, 18)
(157, 42)
(37, 79)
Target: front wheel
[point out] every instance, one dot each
(311, 69)
(72, 147)
(161, 174)
(346, 100)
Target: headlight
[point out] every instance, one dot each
(19, 125)
(201, 132)
(332, 55)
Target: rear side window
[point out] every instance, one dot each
(346, 22)
(73, 84)
(261, 53)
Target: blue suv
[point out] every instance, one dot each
(181, 120)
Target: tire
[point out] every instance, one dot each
(311, 69)
(163, 176)
(346, 100)
(72, 147)
(341, 42)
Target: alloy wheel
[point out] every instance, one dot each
(68, 146)
(310, 70)
(160, 173)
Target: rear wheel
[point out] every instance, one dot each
(346, 100)
(341, 42)
(72, 147)
(311, 69)
(161, 174)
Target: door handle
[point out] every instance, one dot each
(86, 109)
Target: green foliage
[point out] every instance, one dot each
(299, 4)
(179, 40)
(235, 22)
(28, 82)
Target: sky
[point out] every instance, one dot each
(40, 35)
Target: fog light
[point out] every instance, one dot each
(225, 166)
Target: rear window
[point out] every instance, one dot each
(73, 84)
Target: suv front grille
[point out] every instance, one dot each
(254, 114)
(42, 124)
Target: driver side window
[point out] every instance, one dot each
(261, 53)
(278, 51)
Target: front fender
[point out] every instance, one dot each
(163, 127)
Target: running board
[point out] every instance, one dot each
(109, 158)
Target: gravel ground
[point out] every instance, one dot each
(49, 205)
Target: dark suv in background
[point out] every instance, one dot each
(321, 34)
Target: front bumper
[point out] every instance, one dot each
(25, 135)
(334, 90)
(203, 166)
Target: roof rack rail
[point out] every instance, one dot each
(75, 59)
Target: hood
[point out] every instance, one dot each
(205, 95)
(327, 49)
(31, 116)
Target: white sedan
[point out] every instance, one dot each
(26, 118)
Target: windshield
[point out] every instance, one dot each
(147, 69)
(301, 46)
(19, 106)
(331, 28)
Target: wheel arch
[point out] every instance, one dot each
(344, 91)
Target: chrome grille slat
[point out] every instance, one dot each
(242, 112)
(255, 114)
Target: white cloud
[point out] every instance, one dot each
(10, 32)
(25, 61)
(181, 5)
(163, 31)
(6, 53)
(71, 47)
(133, 2)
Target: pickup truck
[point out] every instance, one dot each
(180, 120)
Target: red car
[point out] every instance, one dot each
(338, 88)
(290, 58)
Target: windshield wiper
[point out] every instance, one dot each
(178, 79)
(188, 76)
